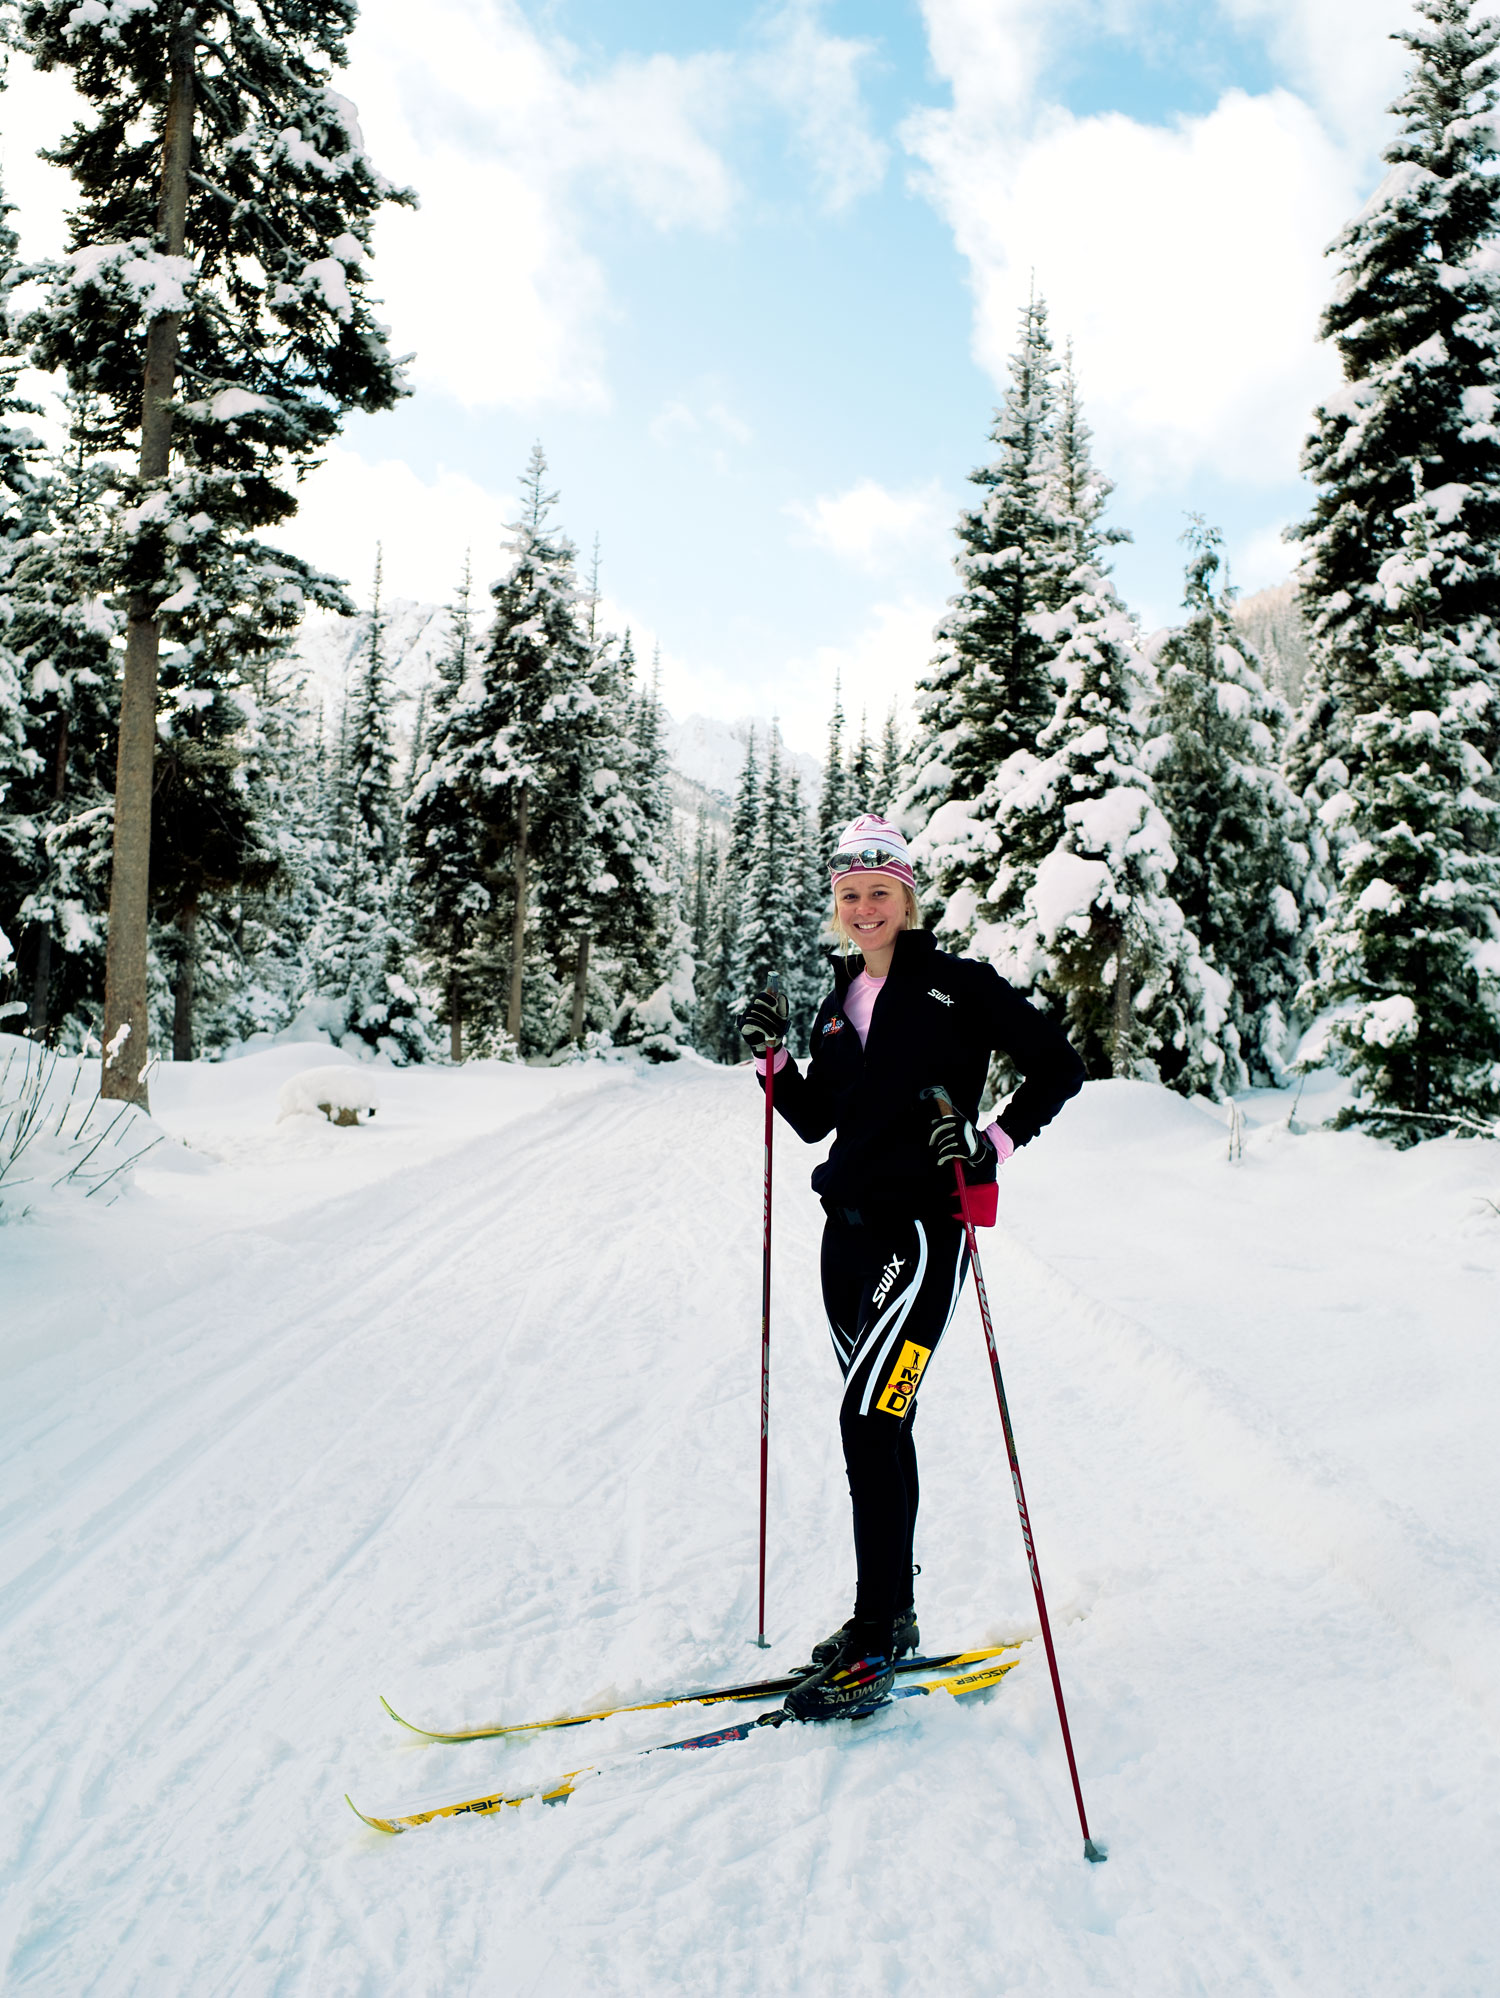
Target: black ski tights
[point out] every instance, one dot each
(889, 1287)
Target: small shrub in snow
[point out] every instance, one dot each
(343, 1095)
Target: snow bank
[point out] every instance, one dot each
(59, 1142)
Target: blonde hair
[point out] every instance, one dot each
(842, 937)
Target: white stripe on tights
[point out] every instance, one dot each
(898, 1319)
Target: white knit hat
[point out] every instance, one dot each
(872, 845)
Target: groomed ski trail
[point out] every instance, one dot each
(481, 1435)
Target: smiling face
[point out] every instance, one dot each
(872, 912)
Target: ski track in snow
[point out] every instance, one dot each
(480, 1434)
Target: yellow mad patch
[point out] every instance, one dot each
(900, 1390)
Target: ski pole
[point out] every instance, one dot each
(773, 985)
(1090, 1850)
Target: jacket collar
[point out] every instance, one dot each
(911, 957)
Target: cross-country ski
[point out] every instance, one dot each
(706, 1696)
(416, 1815)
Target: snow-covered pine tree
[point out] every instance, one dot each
(1415, 318)
(56, 825)
(364, 954)
(810, 964)
(1075, 907)
(989, 691)
(862, 773)
(772, 934)
(510, 743)
(703, 922)
(657, 967)
(734, 878)
(446, 897)
(256, 972)
(1409, 955)
(210, 846)
(834, 810)
(213, 301)
(888, 780)
(1084, 913)
(1217, 733)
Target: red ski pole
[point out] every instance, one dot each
(1090, 1850)
(773, 985)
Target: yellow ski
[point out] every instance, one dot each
(706, 1696)
(494, 1800)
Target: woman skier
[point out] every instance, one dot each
(902, 1019)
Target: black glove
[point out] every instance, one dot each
(763, 1023)
(956, 1142)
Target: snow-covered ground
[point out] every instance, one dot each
(459, 1406)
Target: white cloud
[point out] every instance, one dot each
(992, 51)
(1186, 262)
(879, 664)
(349, 504)
(868, 524)
(814, 76)
(1264, 558)
(489, 281)
(1339, 53)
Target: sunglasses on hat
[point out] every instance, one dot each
(863, 856)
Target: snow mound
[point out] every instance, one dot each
(342, 1094)
(60, 1142)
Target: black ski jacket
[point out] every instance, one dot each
(937, 1020)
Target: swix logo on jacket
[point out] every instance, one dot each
(887, 1277)
(946, 997)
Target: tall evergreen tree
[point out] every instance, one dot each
(734, 899)
(1409, 955)
(657, 959)
(446, 897)
(365, 954)
(1415, 319)
(703, 916)
(506, 747)
(1083, 916)
(213, 301)
(772, 935)
(834, 811)
(209, 843)
(1236, 828)
(18, 448)
(989, 691)
(888, 781)
(55, 646)
(1066, 856)
(862, 773)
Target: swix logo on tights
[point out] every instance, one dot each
(887, 1277)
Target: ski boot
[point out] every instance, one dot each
(854, 1681)
(906, 1638)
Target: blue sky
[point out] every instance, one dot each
(750, 273)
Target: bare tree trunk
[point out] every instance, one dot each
(125, 1000)
(455, 1000)
(1119, 1054)
(581, 986)
(182, 992)
(41, 985)
(518, 932)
